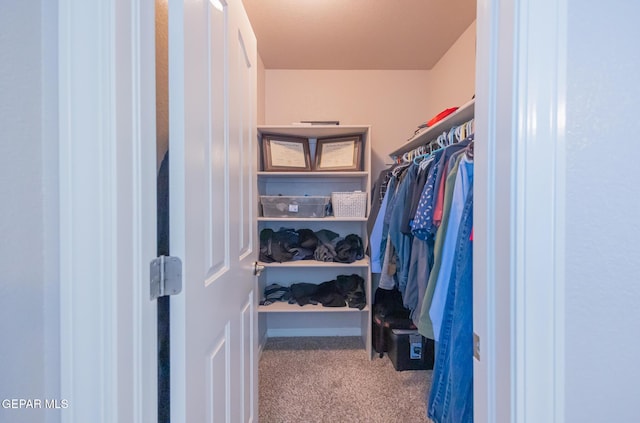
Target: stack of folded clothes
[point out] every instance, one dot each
(305, 244)
(345, 290)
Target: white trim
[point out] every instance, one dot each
(540, 204)
(145, 352)
(107, 195)
(492, 212)
(86, 213)
(520, 197)
(176, 59)
(274, 333)
(138, 223)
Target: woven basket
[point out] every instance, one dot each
(349, 204)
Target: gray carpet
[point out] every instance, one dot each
(327, 380)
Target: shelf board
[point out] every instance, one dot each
(314, 174)
(284, 307)
(464, 114)
(314, 263)
(313, 131)
(328, 219)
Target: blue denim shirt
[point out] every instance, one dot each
(375, 240)
(451, 396)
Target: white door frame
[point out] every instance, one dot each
(106, 228)
(107, 210)
(519, 210)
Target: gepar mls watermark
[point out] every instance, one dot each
(27, 403)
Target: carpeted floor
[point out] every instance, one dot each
(331, 380)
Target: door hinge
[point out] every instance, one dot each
(476, 346)
(166, 276)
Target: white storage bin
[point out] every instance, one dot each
(293, 206)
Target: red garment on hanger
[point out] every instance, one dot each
(443, 114)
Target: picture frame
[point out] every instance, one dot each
(339, 154)
(283, 153)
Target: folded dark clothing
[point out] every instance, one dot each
(352, 288)
(328, 295)
(332, 299)
(324, 253)
(275, 292)
(357, 301)
(265, 246)
(307, 239)
(325, 236)
(304, 244)
(301, 253)
(302, 293)
(349, 283)
(278, 246)
(349, 249)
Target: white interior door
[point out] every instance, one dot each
(212, 86)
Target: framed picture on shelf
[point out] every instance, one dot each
(339, 154)
(285, 154)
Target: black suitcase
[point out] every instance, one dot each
(408, 350)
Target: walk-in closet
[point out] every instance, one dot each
(206, 224)
(321, 358)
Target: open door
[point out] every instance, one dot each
(212, 96)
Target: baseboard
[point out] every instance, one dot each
(284, 332)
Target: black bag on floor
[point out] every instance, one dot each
(388, 313)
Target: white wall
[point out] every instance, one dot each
(602, 212)
(557, 212)
(260, 118)
(453, 77)
(29, 314)
(393, 102)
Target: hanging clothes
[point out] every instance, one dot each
(421, 259)
(464, 182)
(451, 395)
(426, 252)
(402, 242)
(449, 166)
(376, 219)
(387, 255)
(426, 223)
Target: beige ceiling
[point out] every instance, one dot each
(357, 34)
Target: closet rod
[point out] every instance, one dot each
(464, 114)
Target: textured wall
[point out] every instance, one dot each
(603, 209)
(454, 76)
(23, 212)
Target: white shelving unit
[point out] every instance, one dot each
(284, 319)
